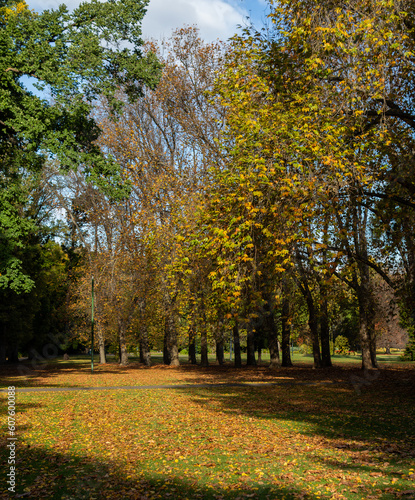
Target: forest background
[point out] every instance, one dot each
(258, 191)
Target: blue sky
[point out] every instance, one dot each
(215, 18)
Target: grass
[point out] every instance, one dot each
(346, 436)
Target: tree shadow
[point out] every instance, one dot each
(42, 374)
(371, 428)
(45, 474)
(384, 407)
(374, 426)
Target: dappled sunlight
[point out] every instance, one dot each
(279, 438)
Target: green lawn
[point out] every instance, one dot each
(345, 436)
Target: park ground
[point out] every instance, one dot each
(211, 433)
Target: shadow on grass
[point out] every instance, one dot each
(374, 428)
(26, 374)
(381, 417)
(44, 474)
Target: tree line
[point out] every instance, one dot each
(255, 191)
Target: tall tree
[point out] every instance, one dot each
(75, 57)
(165, 143)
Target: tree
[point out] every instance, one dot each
(29, 316)
(359, 59)
(75, 57)
(165, 143)
(317, 111)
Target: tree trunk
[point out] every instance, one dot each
(312, 317)
(220, 356)
(166, 352)
(123, 323)
(373, 348)
(259, 340)
(237, 345)
(192, 346)
(102, 355)
(368, 356)
(364, 340)
(324, 331)
(101, 345)
(171, 341)
(363, 288)
(324, 310)
(313, 325)
(366, 319)
(122, 344)
(285, 334)
(100, 331)
(272, 332)
(259, 355)
(145, 356)
(250, 350)
(204, 361)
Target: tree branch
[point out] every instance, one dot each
(386, 196)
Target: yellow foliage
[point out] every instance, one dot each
(15, 10)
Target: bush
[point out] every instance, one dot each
(341, 344)
(409, 354)
(305, 349)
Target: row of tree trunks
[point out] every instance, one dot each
(220, 355)
(270, 328)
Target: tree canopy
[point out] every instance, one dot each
(70, 59)
(253, 192)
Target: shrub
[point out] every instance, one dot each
(341, 344)
(305, 349)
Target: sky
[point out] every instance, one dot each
(216, 19)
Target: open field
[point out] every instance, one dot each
(292, 433)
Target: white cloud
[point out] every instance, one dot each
(214, 18)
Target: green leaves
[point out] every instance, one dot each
(76, 58)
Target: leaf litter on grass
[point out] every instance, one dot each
(274, 442)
